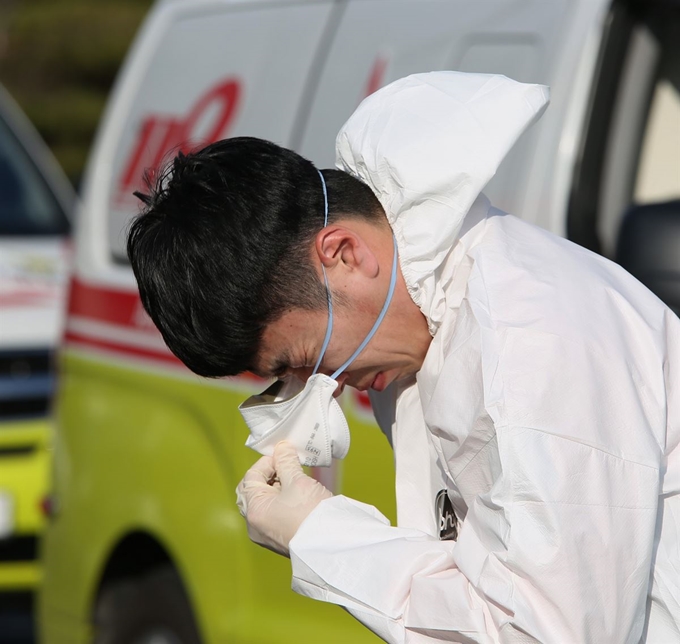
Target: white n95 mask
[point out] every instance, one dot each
(306, 414)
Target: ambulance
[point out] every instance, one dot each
(145, 543)
(35, 205)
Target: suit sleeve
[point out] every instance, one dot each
(401, 583)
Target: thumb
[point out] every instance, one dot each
(287, 463)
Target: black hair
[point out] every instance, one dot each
(223, 246)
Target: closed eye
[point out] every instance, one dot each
(280, 372)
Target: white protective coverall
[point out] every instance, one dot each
(548, 406)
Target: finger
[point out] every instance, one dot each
(241, 502)
(251, 494)
(287, 463)
(261, 472)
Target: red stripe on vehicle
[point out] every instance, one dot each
(124, 349)
(105, 304)
(121, 308)
(128, 351)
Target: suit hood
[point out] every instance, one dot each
(427, 145)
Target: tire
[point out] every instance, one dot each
(150, 609)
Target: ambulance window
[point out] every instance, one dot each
(642, 165)
(27, 205)
(658, 176)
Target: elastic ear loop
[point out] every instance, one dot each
(374, 328)
(383, 312)
(329, 326)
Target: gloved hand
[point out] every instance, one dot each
(276, 496)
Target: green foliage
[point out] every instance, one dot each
(67, 119)
(60, 60)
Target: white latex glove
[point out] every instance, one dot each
(276, 496)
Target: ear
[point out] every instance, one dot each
(338, 246)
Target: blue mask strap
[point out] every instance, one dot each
(329, 326)
(374, 328)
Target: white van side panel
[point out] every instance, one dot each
(377, 42)
(520, 42)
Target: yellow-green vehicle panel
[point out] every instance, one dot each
(25, 458)
(140, 451)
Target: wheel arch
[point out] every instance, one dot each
(134, 554)
(141, 588)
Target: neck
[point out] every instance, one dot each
(411, 319)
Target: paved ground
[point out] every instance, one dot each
(16, 619)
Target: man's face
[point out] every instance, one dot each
(358, 263)
(291, 346)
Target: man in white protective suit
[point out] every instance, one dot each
(530, 389)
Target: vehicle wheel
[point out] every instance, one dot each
(151, 609)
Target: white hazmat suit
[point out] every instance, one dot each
(548, 406)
